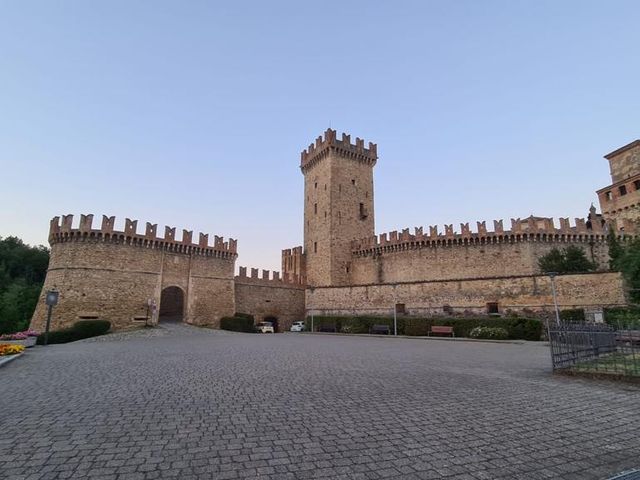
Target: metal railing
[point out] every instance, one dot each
(595, 348)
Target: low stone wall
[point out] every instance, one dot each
(529, 295)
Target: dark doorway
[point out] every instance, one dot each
(274, 322)
(171, 305)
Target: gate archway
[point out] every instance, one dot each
(171, 305)
(274, 321)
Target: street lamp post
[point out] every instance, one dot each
(395, 313)
(310, 309)
(51, 299)
(552, 276)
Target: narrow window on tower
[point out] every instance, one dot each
(315, 247)
(315, 208)
(315, 185)
(353, 181)
(623, 190)
(363, 212)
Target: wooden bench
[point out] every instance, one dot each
(380, 329)
(441, 330)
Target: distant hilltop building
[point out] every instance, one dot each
(344, 268)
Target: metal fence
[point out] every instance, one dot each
(595, 348)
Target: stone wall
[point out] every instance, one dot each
(530, 295)
(270, 299)
(442, 262)
(111, 275)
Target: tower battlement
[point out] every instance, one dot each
(343, 147)
(268, 277)
(64, 231)
(538, 229)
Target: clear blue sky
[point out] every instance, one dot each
(193, 114)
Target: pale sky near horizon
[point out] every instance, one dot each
(193, 113)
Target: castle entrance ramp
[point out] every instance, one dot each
(171, 305)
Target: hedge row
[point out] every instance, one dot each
(79, 330)
(517, 328)
(240, 322)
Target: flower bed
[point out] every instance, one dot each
(10, 349)
(26, 339)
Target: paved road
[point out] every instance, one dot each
(189, 403)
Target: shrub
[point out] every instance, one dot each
(623, 317)
(572, 315)
(516, 327)
(493, 333)
(79, 331)
(238, 324)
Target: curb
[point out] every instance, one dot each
(446, 339)
(9, 358)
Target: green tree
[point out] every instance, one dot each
(22, 272)
(616, 250)
(625, 257)
(568, 260)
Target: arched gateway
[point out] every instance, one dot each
(171, 305)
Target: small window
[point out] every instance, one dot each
(315, 208)
(366, 194)
(492, 308)
(315, 247)
(353, 181)
(636, 184)
(400, 308)
(325, 214)
(622, 189)
(363, 212)
(447, 309)
(608, 195)
(339, 188)
(325, 186)
(315, 185)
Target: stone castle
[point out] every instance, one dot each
(131, 277)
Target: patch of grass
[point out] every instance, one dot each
(626, 364)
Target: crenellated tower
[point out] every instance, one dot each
(338, 204)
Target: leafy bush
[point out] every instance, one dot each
(570, 259)
(238, 324)
(572, 315)
(623, 317)
(517, 328)
(79, 331)
(493, 333)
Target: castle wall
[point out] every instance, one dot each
(276, 298)
(111, 275)
(529, 295)
(441, 262)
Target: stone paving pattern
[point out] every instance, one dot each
(196, 403)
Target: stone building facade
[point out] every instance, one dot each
(620, 201)
(343, 267)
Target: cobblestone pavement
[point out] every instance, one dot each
(193, 403)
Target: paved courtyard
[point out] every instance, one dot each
(189, 403)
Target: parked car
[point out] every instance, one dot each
(265, 327)
(297, 327)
